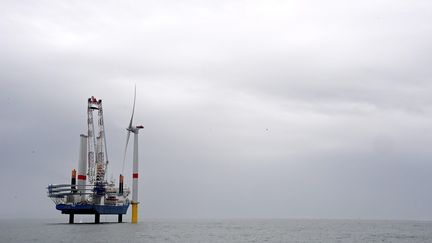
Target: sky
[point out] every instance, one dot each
(251, 109)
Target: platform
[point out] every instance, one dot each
(97, 210)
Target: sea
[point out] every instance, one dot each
(216, 230)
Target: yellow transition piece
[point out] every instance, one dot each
(134, 212)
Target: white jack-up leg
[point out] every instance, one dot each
(82, 166)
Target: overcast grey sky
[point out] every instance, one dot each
(292, 109)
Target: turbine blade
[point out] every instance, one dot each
(129, 131)
(125, 150)
(133, 109)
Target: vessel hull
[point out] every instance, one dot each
(92, 209)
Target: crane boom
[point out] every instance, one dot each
(97, 153)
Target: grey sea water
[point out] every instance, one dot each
(262, 230)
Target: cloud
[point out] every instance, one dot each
(251, 109)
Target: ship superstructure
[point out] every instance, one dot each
(92, 193)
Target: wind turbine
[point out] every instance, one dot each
(135, 131)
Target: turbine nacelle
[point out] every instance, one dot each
(135, 129)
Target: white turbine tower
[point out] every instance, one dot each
(135, 131)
